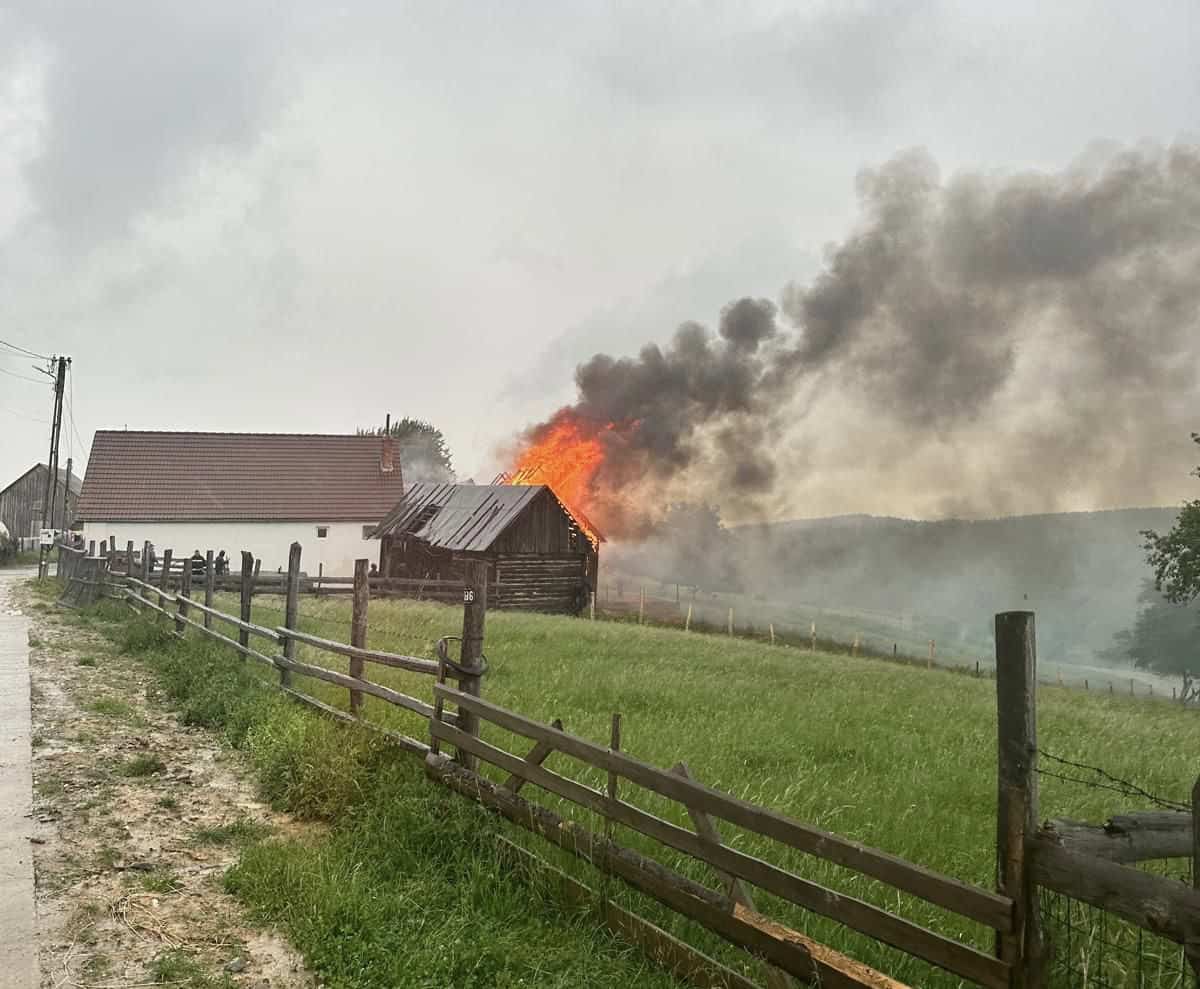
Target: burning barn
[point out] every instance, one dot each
(541, 556)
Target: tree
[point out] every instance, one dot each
(1175, 557)
(1165, 637)
(424, 455)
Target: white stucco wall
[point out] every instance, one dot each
(268, 541)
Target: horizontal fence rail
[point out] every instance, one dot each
(1088, 863)
(954, 956)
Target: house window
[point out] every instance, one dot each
(322, 531)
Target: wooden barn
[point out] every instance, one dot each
(540, 556)
(22, 501)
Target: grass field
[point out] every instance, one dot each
(897, 757)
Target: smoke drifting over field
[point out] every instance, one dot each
(979, 345)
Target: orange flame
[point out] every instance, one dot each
(565, 454)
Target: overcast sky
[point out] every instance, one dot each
(303, 216)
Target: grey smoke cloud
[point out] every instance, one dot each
(955, 308)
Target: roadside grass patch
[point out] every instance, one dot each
(167, 803)
(142, 765)
(115, 708)
(241, 832)
(408, 869)
(86, 661)
(177, 968)
(161, 881)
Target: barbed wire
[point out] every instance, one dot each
(1104, 780)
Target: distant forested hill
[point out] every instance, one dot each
(1081, 572)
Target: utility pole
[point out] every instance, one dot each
(60, 381)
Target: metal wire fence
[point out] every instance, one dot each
(1086, 946)
(1089, 948)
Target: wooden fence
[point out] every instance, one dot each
(1072, 860)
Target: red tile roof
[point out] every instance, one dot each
(135, 476)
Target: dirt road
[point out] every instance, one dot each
(136, 818)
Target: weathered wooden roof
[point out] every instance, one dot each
(464, 518)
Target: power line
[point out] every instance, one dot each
(20, 377)
(71, 416)
(22, 350)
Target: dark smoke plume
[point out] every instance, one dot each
(979, 345)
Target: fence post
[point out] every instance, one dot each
(164, 578)
(358, 627)
(687, 622)
(731, 623)
(209, 582)
(932, 647)
(1017, 791)
(185, 592)
(129, 558)
(1192, 956)
(145, 563)
(471, 655)
(642, 606)
(247, 575)
(291, 614)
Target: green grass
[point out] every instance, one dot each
(25, 558)
(142, 766)
(115, 708)
(177, 968)
(405, 889)
(241, 832)
(895, 756)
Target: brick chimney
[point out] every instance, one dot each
(387, 455)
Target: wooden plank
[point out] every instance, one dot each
(164, 577)
(788, 949)
(1192, 951)
(540, 752)
(990, 909)
(953, 956)
(686, 963)
(247, 597)
(291, 616)
(248, 627)
(209, 580)
(1017, 792)
(413, 663)
(1162, 906)
(185, 592)
(366, 686)
(1126, 837)
(737, 890)
(358, 627)
(475, 587)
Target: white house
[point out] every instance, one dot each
(242, 491)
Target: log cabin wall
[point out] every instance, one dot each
(541, 562)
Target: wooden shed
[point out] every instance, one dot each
(21, 503)
(540, 556)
